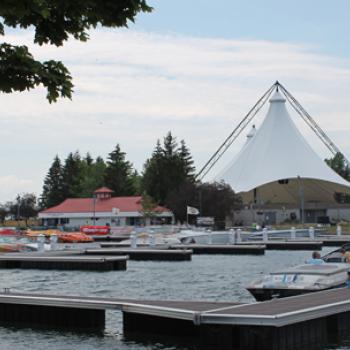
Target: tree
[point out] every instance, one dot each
(218, 200)
(168, 168)
(4, 211)
(118, 173)
(148, 205)
(187, 161)
(178, 200)
(339, 165)
(53, 22)
(213, 199)
(25, 206)
(93, 176)
(72, 174)
(53, 185)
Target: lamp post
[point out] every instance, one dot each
(18, 208)
(302, 201)
(94, 208)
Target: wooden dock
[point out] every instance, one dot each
(281, 324)
(145, 253)
(62, 262)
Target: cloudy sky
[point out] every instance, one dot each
(192, 67)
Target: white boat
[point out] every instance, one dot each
(300, 279)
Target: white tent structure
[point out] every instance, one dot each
(277, 165)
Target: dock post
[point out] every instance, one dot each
(311, 233)
(41, 242)
(53, 242)
(133, 240)
(265, 235)
(151, 240)
(238, 236)
(293, 234)
(232, 237)
(210, 238)
(338, 230)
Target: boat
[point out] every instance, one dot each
(95, 230)
(74, 237)
(300, 279)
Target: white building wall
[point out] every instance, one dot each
(268, 216)
(339, 214)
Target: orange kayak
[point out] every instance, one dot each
(74, 237)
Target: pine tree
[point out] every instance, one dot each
(187, 161)
(118, 174)
(73, 173)
(167, 169)
(53, 185)
(93, 178)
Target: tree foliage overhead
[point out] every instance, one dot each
(53, 22)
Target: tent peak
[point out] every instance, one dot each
(277, 97)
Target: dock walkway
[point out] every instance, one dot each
(279, 324)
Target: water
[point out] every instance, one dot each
(206, 277)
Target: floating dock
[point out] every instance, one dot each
(334, 241)
(290, 323)
(251, 249)
(65, 262)
(109, 238)
(145, 253)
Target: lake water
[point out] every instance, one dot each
(206, 277)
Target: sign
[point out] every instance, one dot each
(205, 221)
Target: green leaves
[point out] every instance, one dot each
(53, 22)
(19, 71)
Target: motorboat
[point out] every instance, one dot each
(300, 279)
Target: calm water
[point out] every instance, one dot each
(210, 277)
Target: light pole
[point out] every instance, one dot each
(94, 208)
(18, 208)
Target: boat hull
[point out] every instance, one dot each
(263, 294)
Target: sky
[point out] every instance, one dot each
(194, 68)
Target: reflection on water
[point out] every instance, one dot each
(206, 277)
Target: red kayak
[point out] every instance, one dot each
(95, 230)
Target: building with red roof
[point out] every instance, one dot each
(104, 209)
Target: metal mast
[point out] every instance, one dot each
(312, 123)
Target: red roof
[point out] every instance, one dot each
(83, 205)
(103, 190)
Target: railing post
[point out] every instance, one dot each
(265, 235)
(41, 242)
(293, 234)
(339, 230)
(53, 242)
(311, 233)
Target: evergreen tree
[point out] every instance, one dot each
(53, 185)
(167, 169)
(73, 173)
(187, 161)
(118, 173)
(93, 178)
